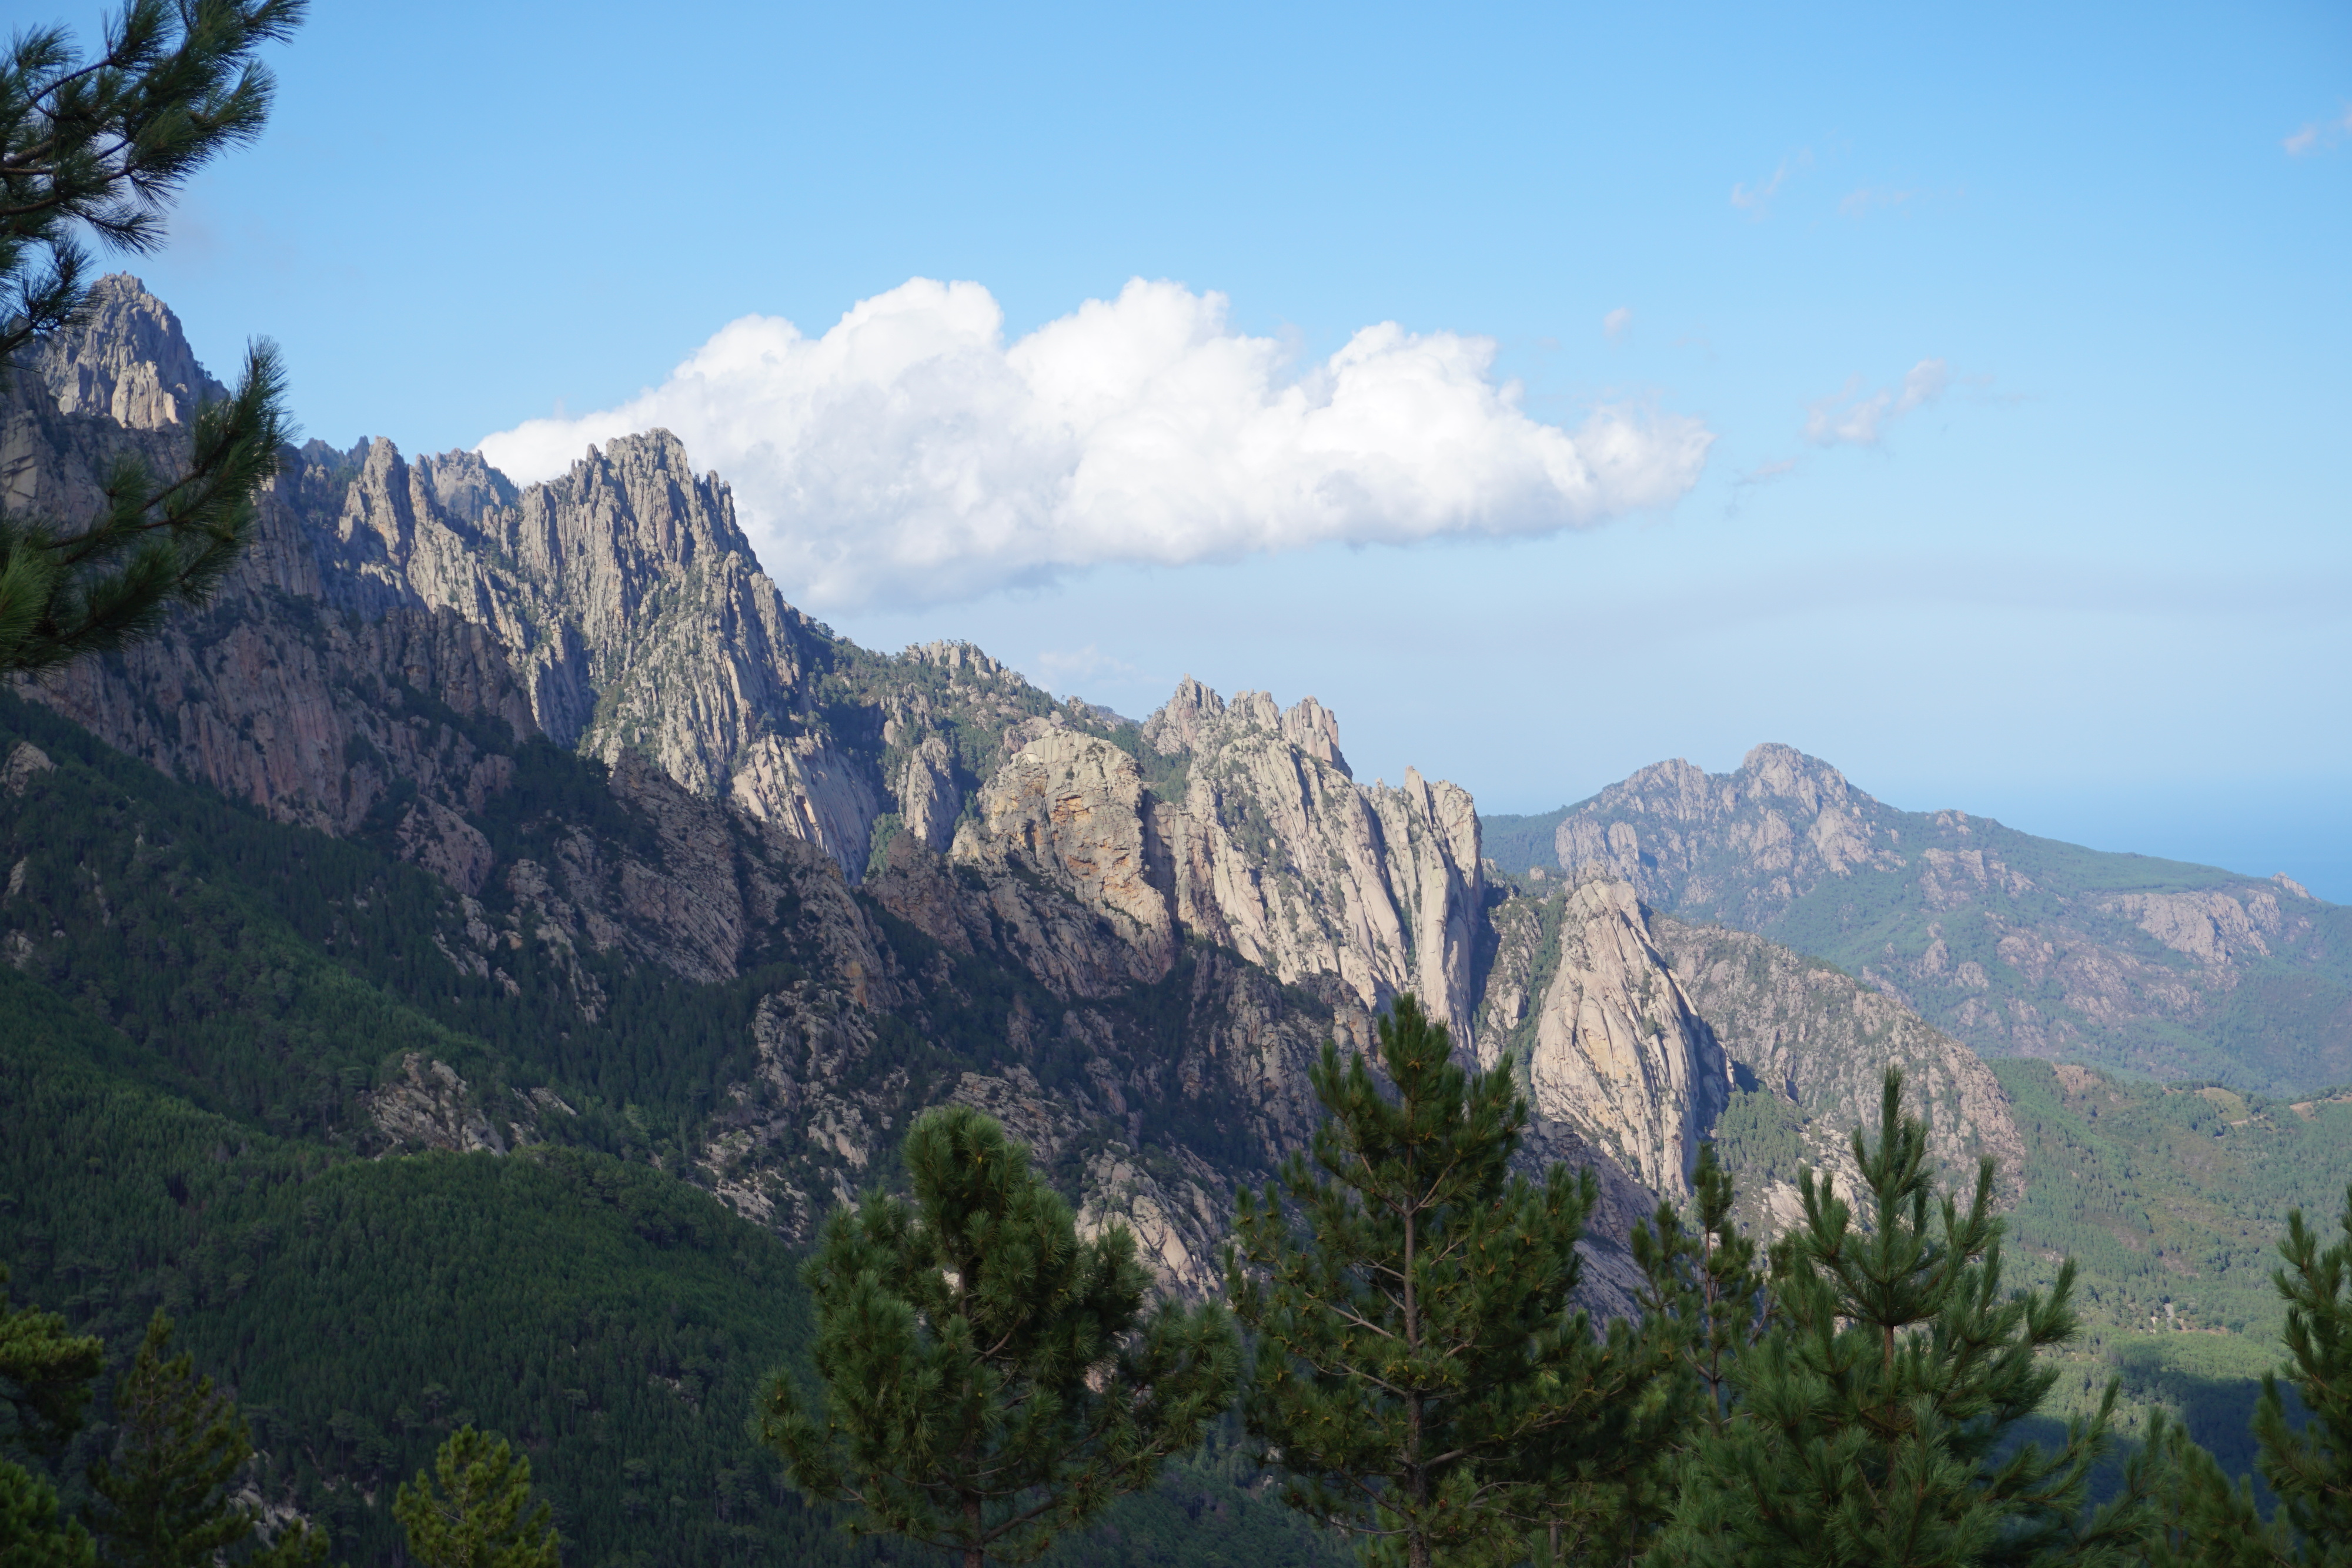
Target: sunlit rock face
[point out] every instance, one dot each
(1276, 851)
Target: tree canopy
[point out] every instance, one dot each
(1421, 1375)
(103, 146)
(989, 1380)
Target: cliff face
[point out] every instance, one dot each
(1582, 1003)
(131, 364)
(1277, 852)
(1644, 1034)
(582, 709)
(2017, 946)
(1818, 1043)
(616, 610)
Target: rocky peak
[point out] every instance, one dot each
(2016, 945)
(1277, 853)
(1070, 808)
(1784, 773)
(956, 656)
(128, 362)
(1181, 723)
(1670, 828)
(1315, 730)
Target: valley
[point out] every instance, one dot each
(456, 972)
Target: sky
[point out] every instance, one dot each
(1958, 394)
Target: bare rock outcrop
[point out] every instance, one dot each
(428, 1106)
(1812, 1036)
(1070, 807)
(1582, 999)
(631, 603)
(1277, 853)
(129, 362)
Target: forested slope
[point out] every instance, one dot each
(204, 1013)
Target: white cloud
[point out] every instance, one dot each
(1756, 200)
(1852, 419)
(2319, 134)
(910, 454)
(1613, 325)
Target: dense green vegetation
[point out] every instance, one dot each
(989, 1381)
(196, 1001)
(613, 1320)
(195, 1004)
(1420, 1370)
(2172, 1199)
(1521, 844)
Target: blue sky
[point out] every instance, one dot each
(2017, 337)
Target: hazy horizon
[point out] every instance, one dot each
(1956, 398)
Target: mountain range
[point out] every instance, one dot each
(478, 828)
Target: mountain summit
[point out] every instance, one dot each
(2018, 945)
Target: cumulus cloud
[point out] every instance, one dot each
(910, 454)
(2319, 134)
(1855, 419)
(1613, 325)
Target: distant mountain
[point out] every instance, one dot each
(2019, 945)
(477, 825)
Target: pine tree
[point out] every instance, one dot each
(1703, 1302)
(32, 1534)
(105, 145)
(1871, 1418)
(164, 1498)
(45, 1378)
(481, 1514)
(1702, 1292)
(1419, 1373)
(2211, 1523)
(989, 1381)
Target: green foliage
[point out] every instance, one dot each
(2211, 1524)
(2169, 1198)
(45, 1374)
(2311, 1467)
(1761, 1136)
(1419, 1374)
(164, 1496)
(45, 1378)
(615, 1317)
(480, 1514)
(33, 1534)
(180, 1074)
(1703, 1303)
(106, 144)
(1702, 1288)
(1873, 1411)
(991, 1383)
(273, 973)
(1519, 844)
(109, 142)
